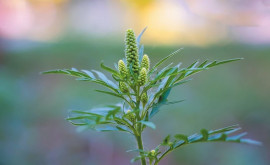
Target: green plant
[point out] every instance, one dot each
(144, 91)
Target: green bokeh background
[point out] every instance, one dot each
(33, 129)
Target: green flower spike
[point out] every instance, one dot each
(145, 62)
(131, 52)
(142, 77)
(123, 87)
(122, 68)
(144, 98)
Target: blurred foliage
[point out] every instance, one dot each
(33, 130)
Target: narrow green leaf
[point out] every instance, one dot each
(148, 124)
(110, 93)
(222, 130)
(137, 150)
(106, 128)
(226, 61)
(250, 141)
(135, 159)
(109, 69)
(164, 59)
(89, 73)
(139, 37)
(58, 71)
(141, 53)
(105, 79)
(86, 113)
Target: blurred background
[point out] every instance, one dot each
(39, 35)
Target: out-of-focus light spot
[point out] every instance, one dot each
(15, 18)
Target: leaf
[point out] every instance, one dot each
(139, 37)
(226, 129)
(164, 59)
(166, 140)
(106, 128)
(124, 129)
(86, 113)
(205, 134)
(203, 66)
(224, 62)
(58, 71)
(135, 159)
(106, 85)
(219, 135)
(137, 150)
(148, 124)
(110, 93)
(181, 137)
(162, 99)
(141, 50)
(109, 69)
(105, 79)
(68, 72)
(89, 73)
(250, 141)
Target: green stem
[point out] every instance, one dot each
(140, 147)
(165, 153)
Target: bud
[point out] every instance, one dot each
(130, 116)
(131, 51)
(153, 152)
(122, 68)
(144, 98)
(145, 62)
(123, 87)
(142, 77)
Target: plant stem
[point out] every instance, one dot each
(140, 147)
(165, 153)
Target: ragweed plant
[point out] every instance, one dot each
(144, 90)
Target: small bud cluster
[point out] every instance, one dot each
(142, 79)
(153, 152)
(130, 116)
(144, 98)
(122, 69)
(123, 87)
(145, 62)
(131, 52)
